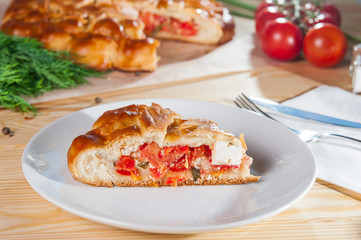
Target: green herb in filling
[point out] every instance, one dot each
(157, 29)
(195, 173)
(143, 165)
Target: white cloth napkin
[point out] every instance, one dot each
(338, 160)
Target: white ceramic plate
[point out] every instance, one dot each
(285, 163)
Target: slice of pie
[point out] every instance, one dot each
(117, 34)
(140, 146)
(198, 21)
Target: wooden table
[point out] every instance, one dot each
(327, 211)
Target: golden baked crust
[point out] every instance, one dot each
(142, 116)
(106, 34)
(100, 35)
(122, 132)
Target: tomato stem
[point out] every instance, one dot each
(241, 14)
(352, 37)
(243, 5)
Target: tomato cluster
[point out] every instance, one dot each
(288, 28)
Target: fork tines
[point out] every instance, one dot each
(244, 102)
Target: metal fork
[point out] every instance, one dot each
(307, 136)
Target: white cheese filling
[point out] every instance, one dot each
(227, 153)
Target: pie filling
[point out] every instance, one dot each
(172, 163)
(155, 23)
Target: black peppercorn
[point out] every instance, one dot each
(6, 130)
(98, 100)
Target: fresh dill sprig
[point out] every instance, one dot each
(27, 69)
(16, 103)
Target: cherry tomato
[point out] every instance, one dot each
(183, 28)
(180, 165)
(149, 153)
(169, 154)
(126, 166)
(265, 15)
(331, 9)
(157, 172)
(151, 21)
(325, 17)
(281, 39)
(324, 45)
(261, 6)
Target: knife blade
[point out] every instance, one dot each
(303, 114)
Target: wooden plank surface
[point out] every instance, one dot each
(326, 212)
(24, 213)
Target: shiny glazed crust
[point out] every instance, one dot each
(121, 131)
(100, 35)
(106, 34)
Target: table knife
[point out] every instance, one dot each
(303, 114)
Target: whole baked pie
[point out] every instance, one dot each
(118, 34)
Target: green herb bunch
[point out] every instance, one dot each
(27, 69)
